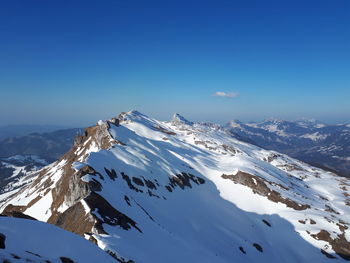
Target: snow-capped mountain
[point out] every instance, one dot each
(150, 191)
(326, 146)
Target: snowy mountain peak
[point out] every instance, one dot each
(141, 189)
(179, 119)
(134, 116)
(136, 113)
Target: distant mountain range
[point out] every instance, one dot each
(25, 129)
(14, 168)
(147, 191)
(325, 146)
(48, 146)
(23, 155)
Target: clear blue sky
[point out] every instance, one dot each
(74, 62)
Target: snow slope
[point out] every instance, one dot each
(327, 146)
(151, 191)
(23, 240)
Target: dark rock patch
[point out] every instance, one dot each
(291, 167)
(127, 179)
(138, 181)
(327, 254)
(242, 250)
(93, 240)
(323, 198)
(2, 241)
(271, 157)
(114, 121)
(108, 213)
(118, 258)
(184, 180)
(95, 185)
(111, 174)
(127, 200)
(206, 145)
(149, 184)
(66, 260)
(266, 222)
(16, 214)
(10, 209)
(200, 180)
(230, 149)
(342, 226)
(258, 247)
(328, 208)
(163, 130)
(15, 256)
(89, 170)
(150, 193)
(144, 210)
(181, 180)
(34, 254)
(259, 186)
(340, 244)
(343, 187)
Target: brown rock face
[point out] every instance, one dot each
(340, 245)
(13, 208)
(16, 214)
(70, 189)
(260, 186)
(164, 130)
(75, 219)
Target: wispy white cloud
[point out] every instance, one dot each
(229, 95)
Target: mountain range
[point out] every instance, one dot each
(145, 190)
(48, 145)
(23, 155)
(25, 129)
(325, 146)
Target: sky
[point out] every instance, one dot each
(75, 62)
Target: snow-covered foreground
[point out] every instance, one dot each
(24, 240)
(151, 191)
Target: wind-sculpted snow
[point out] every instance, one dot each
(151, 191)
